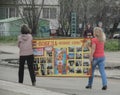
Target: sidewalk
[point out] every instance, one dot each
(10, 88)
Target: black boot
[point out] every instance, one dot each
(88, 87)
(104, 87)
(33, 83)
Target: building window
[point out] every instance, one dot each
(12, 12)
(52, 13)
(7, 12)
(30, 11)
(26, 11)
(2, 13)
(46, 13)
(49, 13)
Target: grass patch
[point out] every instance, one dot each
(112, 45)
(8, 39)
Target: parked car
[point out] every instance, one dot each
(116, 36)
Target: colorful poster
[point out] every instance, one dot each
(66, 57)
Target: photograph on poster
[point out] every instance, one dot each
(71, 55)
(78, 63)
(71, 70)
(38, 51)
(43, 68)
(71, 49)
(78, 56)
(86, 56)
(85, 70)
(86, 61)
(49, 51)
(78, 49)
(78, 70)
(71, 62)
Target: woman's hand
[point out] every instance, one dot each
(91, 58)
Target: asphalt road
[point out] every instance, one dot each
(70, 86)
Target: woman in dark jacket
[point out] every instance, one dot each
(88, 33)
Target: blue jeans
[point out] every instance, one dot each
(101, 66)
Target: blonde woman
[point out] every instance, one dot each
(97, 57)
(26, 54)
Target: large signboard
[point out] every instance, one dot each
(66, 57)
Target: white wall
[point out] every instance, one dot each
(4, 29)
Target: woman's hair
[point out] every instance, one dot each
(25, 29)
(98, 32)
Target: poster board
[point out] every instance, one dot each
(62, 57)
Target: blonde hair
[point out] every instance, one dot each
(98, 32)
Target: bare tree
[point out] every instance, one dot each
(30, 11)
(64, 18)
(81, 7)
(92, 11)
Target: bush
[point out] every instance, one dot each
(8, 39)
(112, 45)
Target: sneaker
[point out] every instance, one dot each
(34, 84)
(104, 87)
(88, 87)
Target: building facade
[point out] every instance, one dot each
(50, 10)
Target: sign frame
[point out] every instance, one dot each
(62, 57)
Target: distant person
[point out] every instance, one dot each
(100, 25)
(26, 54)
(88, 33)
(97, 57)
